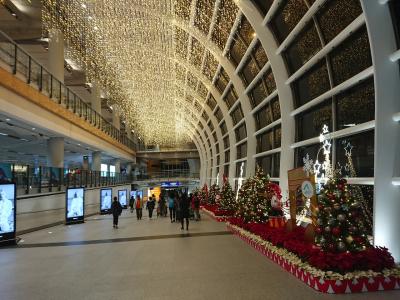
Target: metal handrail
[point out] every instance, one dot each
(60, 92)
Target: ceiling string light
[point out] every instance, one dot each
(131, 49)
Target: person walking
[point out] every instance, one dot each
(171, 206)
(184, 206)
(132, 203)
(116, 210)
(139, 207)
(150, 205)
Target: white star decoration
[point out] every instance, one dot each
(317, 168)
(327, 147)
(348, 149)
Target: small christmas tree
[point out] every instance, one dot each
(340, 225)
(253, 202)
(227, 200)
(213, 194)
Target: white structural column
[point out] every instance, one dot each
(387, 91)
(55, 152)
(117, 164)
(96, 161)
(56, 54)
(85, 162)
(194, 165)
(285, 94)
(95, 98)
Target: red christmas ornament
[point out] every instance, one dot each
(318, 230)
(336, 231)
(331, 247)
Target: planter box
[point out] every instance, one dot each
(324, 285)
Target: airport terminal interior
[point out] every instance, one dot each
(199, 149)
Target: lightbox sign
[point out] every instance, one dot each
(122, 195)
(105, 201)
(75, 205)
(7, 212)
(170, 184)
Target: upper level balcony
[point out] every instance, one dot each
(26, 70)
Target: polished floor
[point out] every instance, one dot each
(147, 259)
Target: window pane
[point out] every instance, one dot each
(227, 156)
(237, 50)
(259, 55)
(246, 31)
(305, 46)
(223, 128)
(241, 166)
(249, 71)
(237, 114)
(332, 11)
(269, 80)
(211, 102)
(241, 151)
(226, 170)
(230, 97)
(310, 123)
(276, 109)
(361, 97)
(240, 132)
(265, 141)
(277, 136)
(226, 142)
(287, 17)
(218, 114)
(312, 84)
(362, 153)
(301, 153)
(351, 57)
(263, 117)
(258, 93)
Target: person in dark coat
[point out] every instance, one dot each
(116, 210)
(184, 205)
(150, 206)
(132, 203)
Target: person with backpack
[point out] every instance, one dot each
(116, 210)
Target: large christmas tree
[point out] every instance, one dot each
(227, 200)
(253, 202)
(213, 194)
(340, 225)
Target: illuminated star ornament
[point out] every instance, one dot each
(347, 149)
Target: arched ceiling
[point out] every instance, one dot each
(148, 54)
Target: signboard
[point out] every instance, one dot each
(7, 212)
(122, 198)
(75, 205)
(303, 200)
(105, 201)
(170, 184)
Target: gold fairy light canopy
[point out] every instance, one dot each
(129, 48)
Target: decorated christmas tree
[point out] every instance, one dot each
(213, 194)
(203, 195)
(340, 225)
(253, 202)
(227, 200)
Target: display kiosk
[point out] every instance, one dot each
(122, 198)
(105, 201)
(75, 205)
(7, 213)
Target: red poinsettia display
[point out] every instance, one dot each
(373, 258)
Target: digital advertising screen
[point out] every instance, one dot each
(105, 201)
(75, 205)
(7, 212)
(122, 198)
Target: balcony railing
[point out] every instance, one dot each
(26, 68)
(36, 180)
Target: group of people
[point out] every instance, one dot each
(180, 205)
